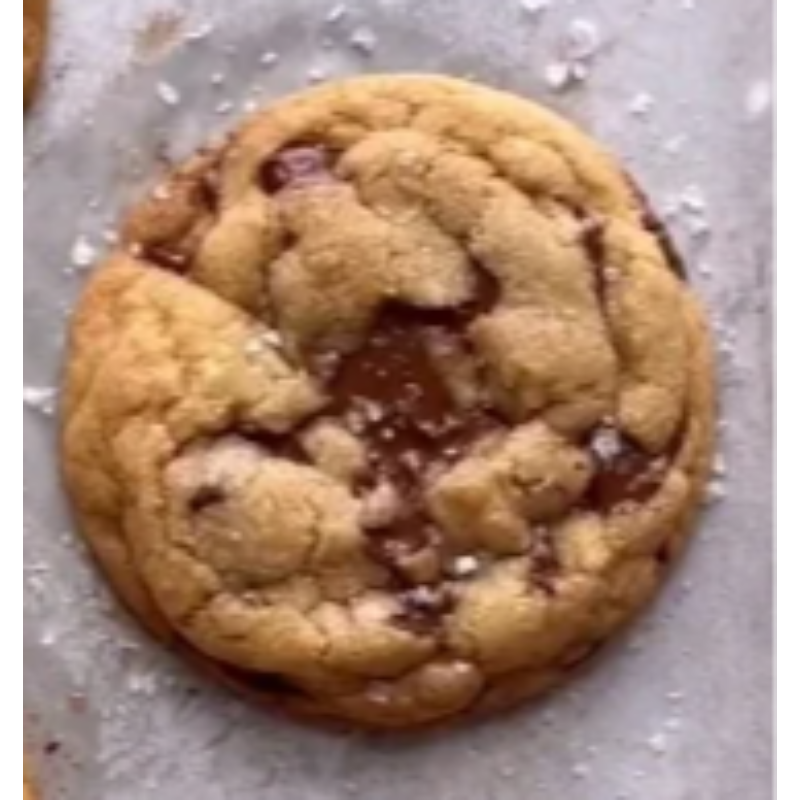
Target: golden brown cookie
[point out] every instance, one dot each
(394, 408)
(35, 21)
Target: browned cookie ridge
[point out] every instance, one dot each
(393, 408)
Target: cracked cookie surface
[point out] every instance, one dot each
(394, 407)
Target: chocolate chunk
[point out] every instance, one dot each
(208, 191)
(282, 446)
(396, 399)
(298, 167)
(424, 608)
(167, 258)
(405, 410)
(266, 683)
(625, 473)
(207, 497)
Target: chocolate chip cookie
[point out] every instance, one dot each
(34, 20)
(395, 407)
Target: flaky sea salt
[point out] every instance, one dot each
(760, 99)
(642, 105)
(582, 42)
(466, 567)
(364, 41)
(40, 399)
(270, 60)
(535, 8)
(336, 14)
(580, 46)
(84, 254)
(168, 94)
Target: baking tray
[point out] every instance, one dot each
(678, 710)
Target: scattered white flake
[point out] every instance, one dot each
(143, 684)
(111, 237)
(582, 772)
(218, 79)
(48, 638)
(425, 597)
(659, 745)
(270, 60)
(578, 50)
(760, 99)
(84, 254)
(580, 72)
(336, 14)
(201, 33)
(694, 201)
(689, 5)
(264, 343)
(41, 400)
(508, 772)
(674, 725)
(224, 108)
(364, 41)
(720, 467)
(162, 193)
(675, 145)
(642, 105)
(318, 75)
(373, 412)
(583, 41)
(466, 567)
(535, 8)
(717, 493)
(273, 339)
(690, 209)
(560, 76)
(250, 106)
(168, 94)
(607, 445)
